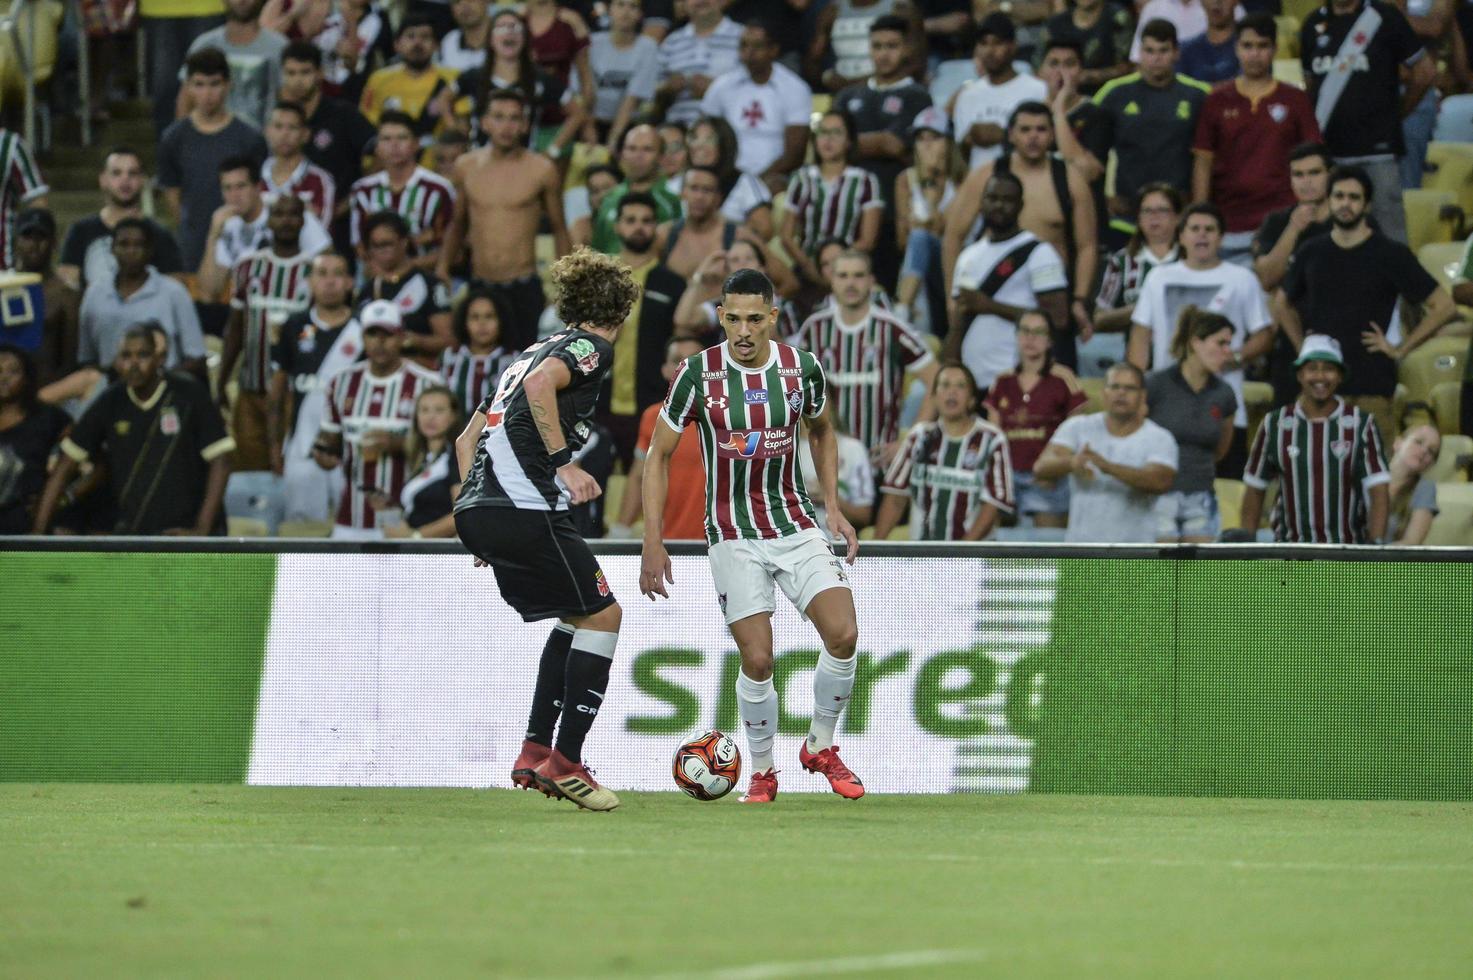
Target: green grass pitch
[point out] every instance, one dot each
(237, 881)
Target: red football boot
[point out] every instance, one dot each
(762, 788)
(523, 771)
(841, 779)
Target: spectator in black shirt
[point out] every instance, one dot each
(29, 430)
(86, 251)
(1346, 284)
(163, 442)
(423, 300)
(1102, 30)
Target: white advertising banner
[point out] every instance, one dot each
(409, 670)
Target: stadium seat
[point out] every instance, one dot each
(1446, 400)
(822, 102)
(304, 529)
(1441, 260)
(1229, 501)
(1453, 525)
(1288, 36)
(246, 527)
(1452, 462)
(1289, 71)
(1439, 359)
(1454, 120)
(1450, 168)
(1425, 220)
(1258, 398)
(1094, 392)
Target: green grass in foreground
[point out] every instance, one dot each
(238, 881)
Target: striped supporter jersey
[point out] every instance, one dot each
(831, 209)
(748, 426)
(865, 364)
(425, 201)
(310, 182)
(949, 479)
(268, 288)
(472, 377)
(20, 183)
(359, 402)
(1324, 467)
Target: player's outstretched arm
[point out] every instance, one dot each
(654, 569)
(825, 445)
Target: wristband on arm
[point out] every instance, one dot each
(561, 458)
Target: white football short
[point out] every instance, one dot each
(744, 571)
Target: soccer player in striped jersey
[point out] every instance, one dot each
(866, 352)
(423, 198)
(1326, 454)
(270, 285)
(955, 471)
(288, 171)
(473, 367)
(831, 198)
(21, 185)
(370, 409)
(512, 513)
(746, 397)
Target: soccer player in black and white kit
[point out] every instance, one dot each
(520, 479)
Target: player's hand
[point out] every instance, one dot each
(654, 570)
(580, 487)
(839, 527)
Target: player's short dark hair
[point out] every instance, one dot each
(237, 162)
(139, 223)
(747, 282)
(1137, 373)
(393, 117)
(461, 311)
(1262, 24)
(1343, 173)
(1066, 42)
(1160, 29)
(295, 108)
(392, 220)
(1030, 107)
(890, 22)
(209, 62)
(412, 21)
(593, 288)
(303, 51)
(641, 198)
(1306, 150)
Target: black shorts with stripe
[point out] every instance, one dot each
(542, 565)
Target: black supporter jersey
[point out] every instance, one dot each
(311, 352)
(511, 467)
(418, 297)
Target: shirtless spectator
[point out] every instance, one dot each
(502, 193)
(685, 242)
(1057, 207)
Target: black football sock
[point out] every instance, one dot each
(588, 678)
(547, 701)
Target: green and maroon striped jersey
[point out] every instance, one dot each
(949, 480)
(831, 209)
(747, 420)
(268, 289)
(865, 364)
(1324, 467)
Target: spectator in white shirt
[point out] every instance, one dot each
(693, 56)
(767, 105)
(980, 109)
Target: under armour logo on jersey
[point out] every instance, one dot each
(716, 402)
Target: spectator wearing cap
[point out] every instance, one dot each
(1338, 491)
(922, 195)
(884, 108)
(980, 109)
(766, 104)
(1347, 285)
(1151, 118)
(369, 412)
(160, 437)
(1102, 32)
(35, 242)
(136, 293)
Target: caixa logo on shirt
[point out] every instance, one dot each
(753, 443)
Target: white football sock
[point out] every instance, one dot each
(832, 682)
(757, 704)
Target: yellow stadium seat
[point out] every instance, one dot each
(1094, 393)
(304, 529)
(1229, 501)
(1425, 223)
(1439, 359)
(1446, 400)
(1258, 398)
(1288, 36)
(1453, 525)
(584, 155)
(1301, 8)
(614, 496)
(1450, 168)
(22, 22)
(1441, 260)
(1455, 450)
(246, 527)
(822, 102)
(1289, 71)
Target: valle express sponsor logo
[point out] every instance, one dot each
(756, 443)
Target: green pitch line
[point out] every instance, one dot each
(237, 881)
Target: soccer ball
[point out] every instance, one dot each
(708, 766)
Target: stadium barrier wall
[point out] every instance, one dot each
(1317, 673)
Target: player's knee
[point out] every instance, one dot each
(757, 664)
(841, 641)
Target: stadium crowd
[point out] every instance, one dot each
(1079, 270)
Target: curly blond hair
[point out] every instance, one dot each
(593, 288)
